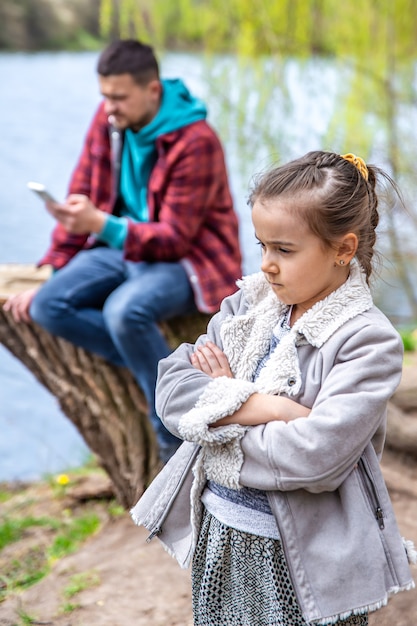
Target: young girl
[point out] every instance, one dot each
(276, 496)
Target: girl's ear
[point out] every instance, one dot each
(346, 249)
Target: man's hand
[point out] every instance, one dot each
(211, 360)
(19, 304)
(78, 215)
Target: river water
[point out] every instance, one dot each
(46, 103)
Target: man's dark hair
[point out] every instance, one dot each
(129, 56)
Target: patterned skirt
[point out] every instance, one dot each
(239, 579)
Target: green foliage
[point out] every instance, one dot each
(106, 16)
(355, 28)
(83, 40)
(409, 338)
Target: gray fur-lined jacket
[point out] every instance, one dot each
(343, 359)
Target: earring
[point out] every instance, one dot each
(341, 262)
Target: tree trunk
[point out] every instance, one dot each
(103, 401)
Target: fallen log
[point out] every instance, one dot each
(103, 401)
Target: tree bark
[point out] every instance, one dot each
(103, 401)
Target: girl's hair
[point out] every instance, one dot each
(331, 195)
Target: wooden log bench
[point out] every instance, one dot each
(103, 401)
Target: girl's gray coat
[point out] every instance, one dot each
(343, 359)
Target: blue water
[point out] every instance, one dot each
(46, 104)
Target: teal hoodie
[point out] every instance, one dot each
(178, 108)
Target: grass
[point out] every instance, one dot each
(12, 529)
(80, 582)
(409, 341)
(25, 618)
(22, 573)
(69, 607)
(115, 510)
(35, 561)
(4, 496)
(77, 583)
(72, 534)
(39, 525)
(409, 338)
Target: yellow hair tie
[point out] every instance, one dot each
(357, 162)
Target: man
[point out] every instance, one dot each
(148, 230)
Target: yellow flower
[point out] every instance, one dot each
(62, 479)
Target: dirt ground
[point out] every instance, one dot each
(135, 583)
(139, 584)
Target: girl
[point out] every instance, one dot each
(276, 496)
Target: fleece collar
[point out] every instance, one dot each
(246, 338)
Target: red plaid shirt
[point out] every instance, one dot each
(190, 209)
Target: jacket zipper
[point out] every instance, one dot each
(158, 527)
(156, 531)
(372, 492)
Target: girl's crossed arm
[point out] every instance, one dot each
(260, 408)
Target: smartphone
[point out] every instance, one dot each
(41, 191)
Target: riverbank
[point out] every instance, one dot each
(49, 25)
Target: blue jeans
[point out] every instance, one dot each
(111, 307)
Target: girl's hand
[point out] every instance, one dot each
(211, 360)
